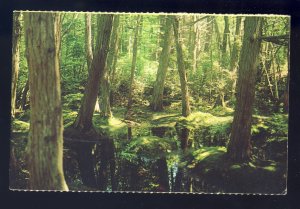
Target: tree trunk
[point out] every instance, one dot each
(89, 49)
(114, 46)
(208, 35)
(236, 45)
(105, 110)
(157, 98)
(15, 59)
(162, 174)
(45, 146)
(181, 69)
(225, 41)
(88, 40)
(24, 95)
(83, 121)
(133, 64)
(234, 53)
(239, 148)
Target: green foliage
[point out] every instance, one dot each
(275, 125)
(206, 156)
(216, 173)
(208, 126)
(72, 101)
(147, 148)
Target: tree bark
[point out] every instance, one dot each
(89, 49)
(15, 59)
(88, 40)
(181, 70)
(239, 147)
(45, 146)
(24, 95)
(114, 47)
(133, 64)
(236, 45)
(225, 41)
(208, 35)
(157, 98)
(83, 121)
(234, 56)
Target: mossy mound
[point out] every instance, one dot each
(201, 119)
(110, 127)
(213, 172)
(221, 111)
(148, 148)
(207, 129)
(72, 134)
(20, 126)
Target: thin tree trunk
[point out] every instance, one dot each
(105, 109)
(181, 69)
(89, 49)
(24, 95)
(83, 121)
(236, 45)
(15, 59)
(239, 147)
(157, 98)
(45, 146)
(267, 66)
(274, 75)
(133, 64)
(234, 56)
(225, 41)
(114, 45)
(88, 40)
(208, 35)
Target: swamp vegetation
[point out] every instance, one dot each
(140, 102)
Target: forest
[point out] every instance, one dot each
(149, 102)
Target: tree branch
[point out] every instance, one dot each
(282, 40)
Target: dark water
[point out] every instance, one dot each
(102, 166)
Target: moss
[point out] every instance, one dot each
(112, 127)
(270, 168)
(221, 111)
(235, 167)
(20, 126)
(275, 125)
(148, 148)
(277, 140)
(197, 119)
(69, 117)
(205, 157)
(167, 120)
(72, 101)
(217, 173)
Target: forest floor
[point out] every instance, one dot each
(196, 143)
